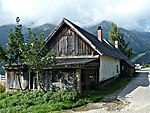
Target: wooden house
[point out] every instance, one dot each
(84, 61)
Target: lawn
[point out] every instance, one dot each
(41, 102)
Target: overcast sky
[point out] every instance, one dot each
(131, 14)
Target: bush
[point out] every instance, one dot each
(37, 101)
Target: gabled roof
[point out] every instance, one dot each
(102, 47)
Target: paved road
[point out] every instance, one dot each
(137, 92)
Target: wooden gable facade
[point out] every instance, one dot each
(66, 42)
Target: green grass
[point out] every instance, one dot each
(112, 87)
(40, 102)
(147, 65)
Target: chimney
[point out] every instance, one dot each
(99, 31)
(117, 44)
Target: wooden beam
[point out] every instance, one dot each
(78, 76)
(29, 79)
(82, 56)
(6, 75)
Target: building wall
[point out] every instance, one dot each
(12, 80)
(126, 70)
(108, 67)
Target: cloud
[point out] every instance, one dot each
(130, 14)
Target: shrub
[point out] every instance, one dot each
(69, 95)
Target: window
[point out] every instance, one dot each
(117, 69)
(56, 76)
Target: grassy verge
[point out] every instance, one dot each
(147, 65)
(110, 88)
(40, 102)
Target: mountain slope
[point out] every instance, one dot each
(144, 59)
(46, 29)
(4, 30)
(105, 27)
(139, 42)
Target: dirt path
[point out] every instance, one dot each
(135, 97)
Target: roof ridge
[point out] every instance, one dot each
(79, 26)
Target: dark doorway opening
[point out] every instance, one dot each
(89, 78)
(33, 81)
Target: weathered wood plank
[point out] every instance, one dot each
(68, 43)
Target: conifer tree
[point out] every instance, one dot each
(116, 35)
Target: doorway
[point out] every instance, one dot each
(33, 81)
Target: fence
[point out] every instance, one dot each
(2, 78)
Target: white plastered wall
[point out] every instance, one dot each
(108, 67)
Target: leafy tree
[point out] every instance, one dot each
(14, 52)
(37, 56)
(116, 35)
(26, 53)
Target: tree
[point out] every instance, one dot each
(129, 53)
(26, 53)
(37, 56)
(15, 47)
(116, 35)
